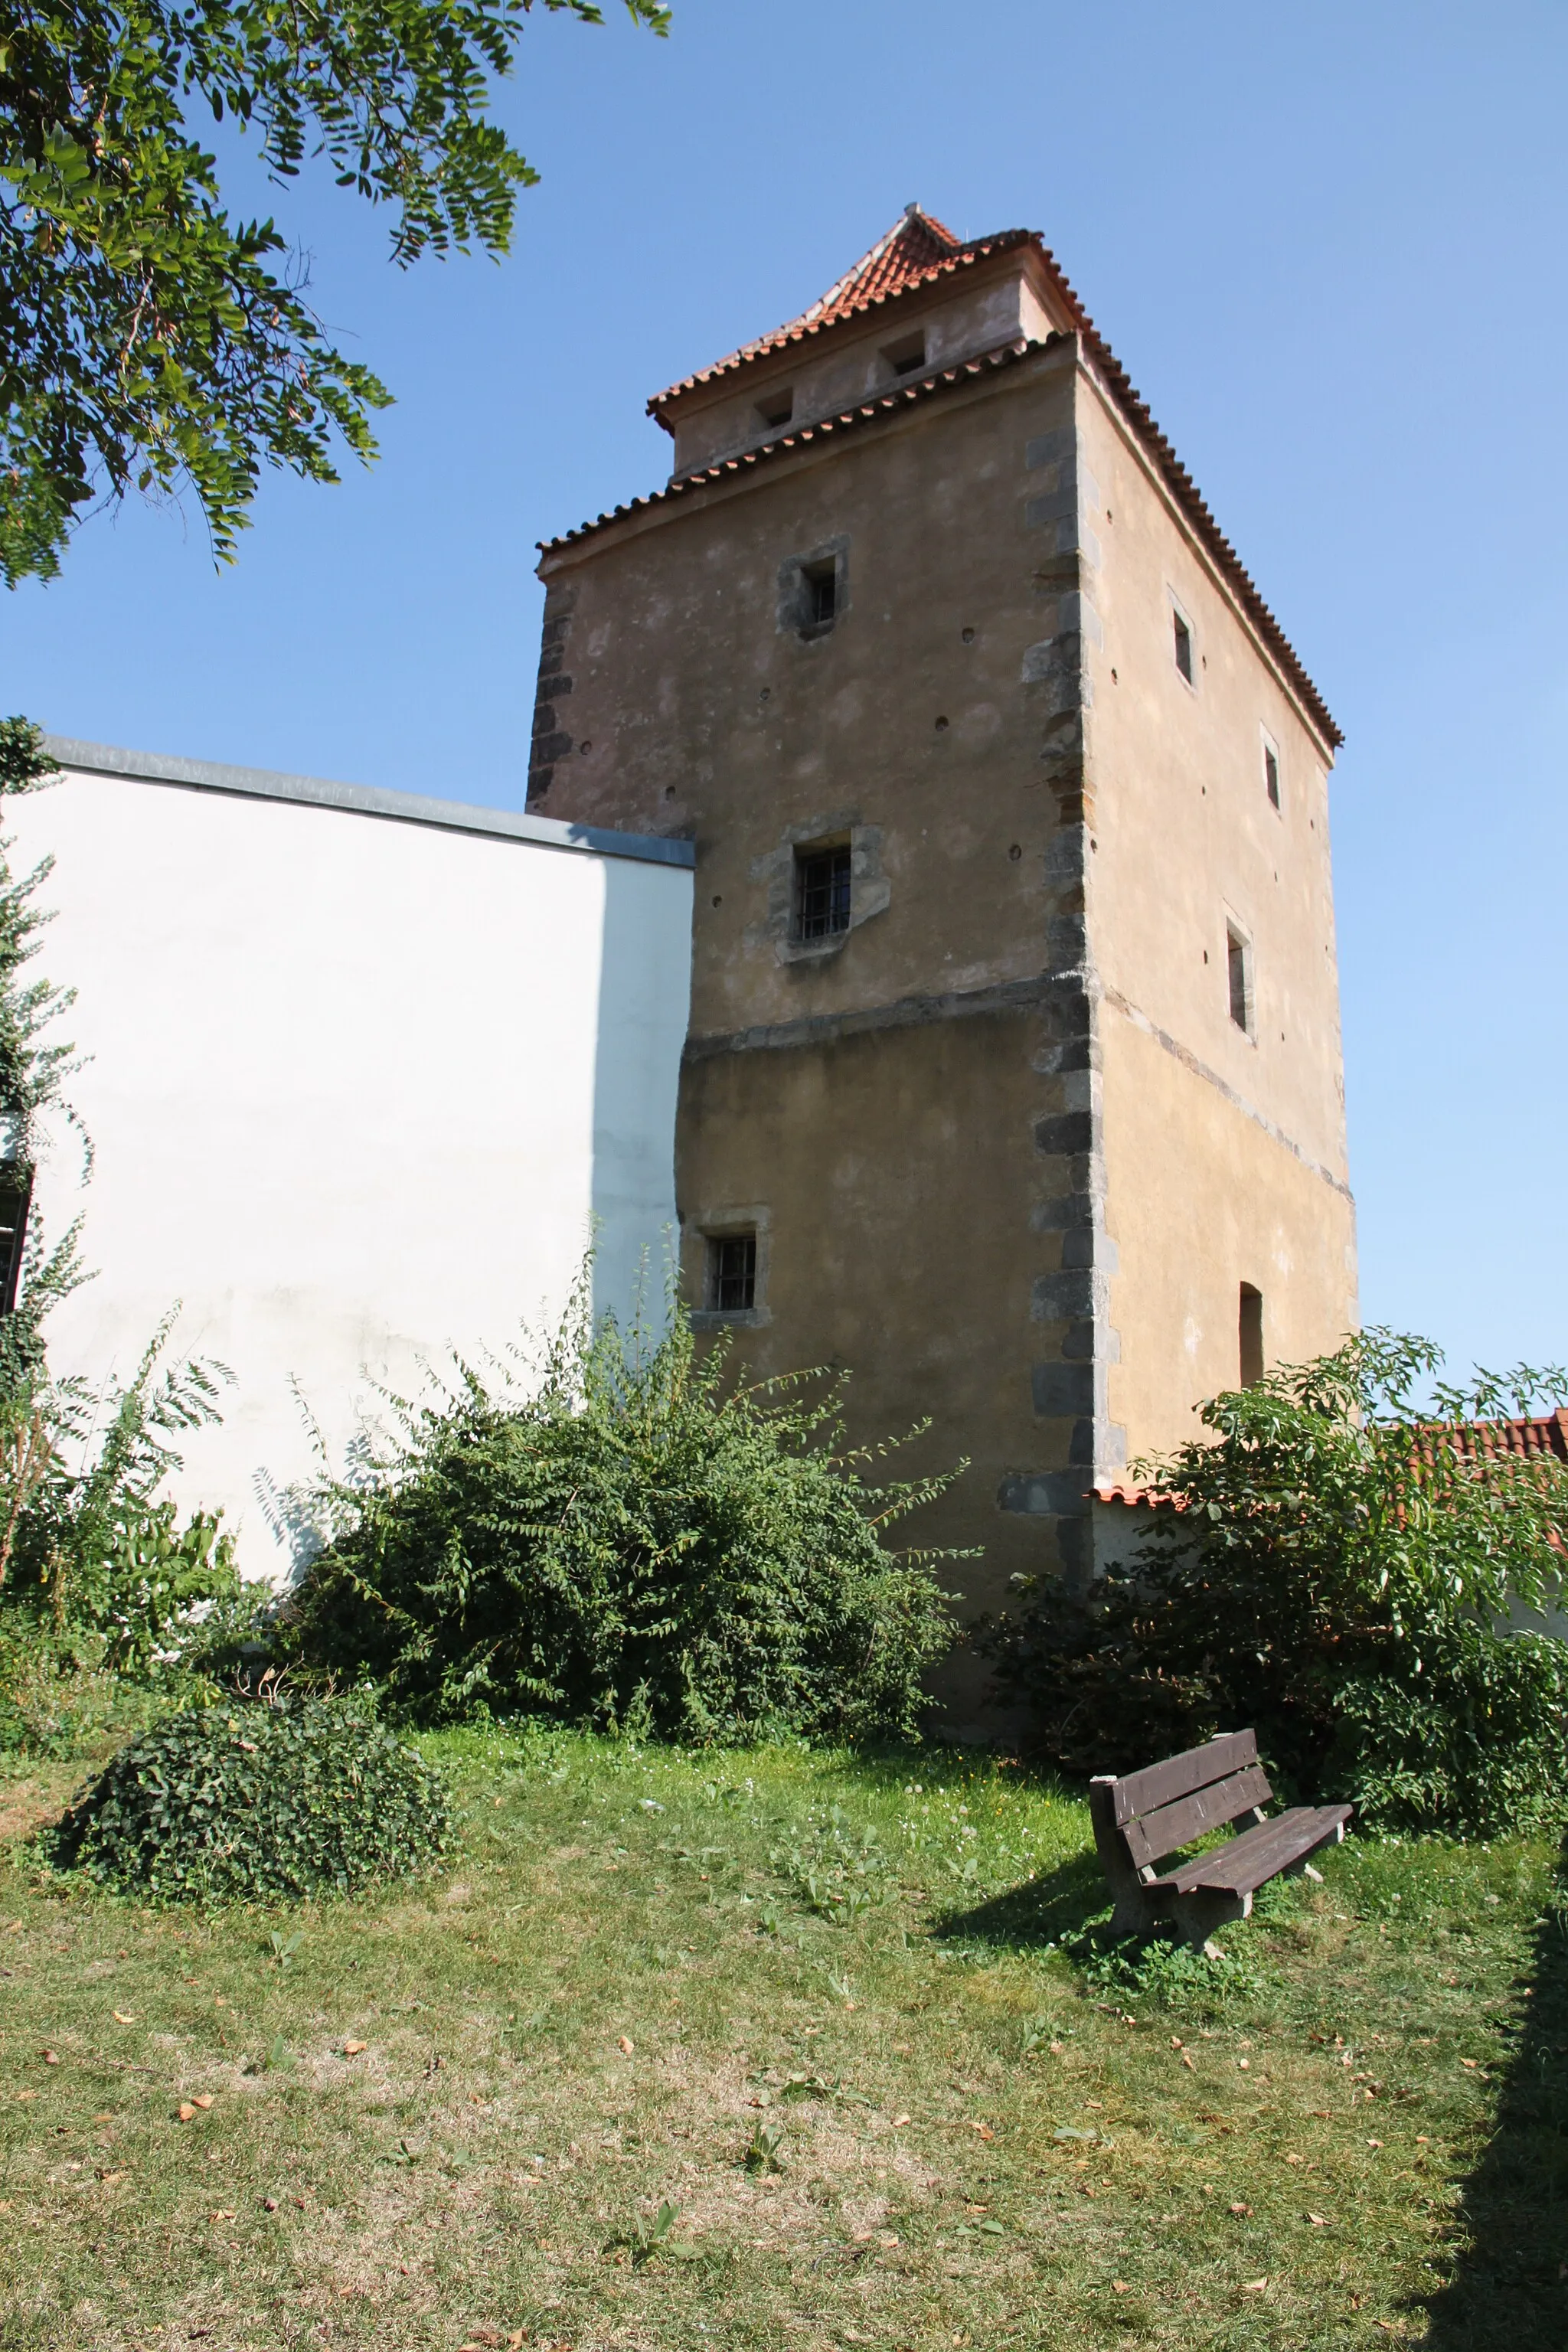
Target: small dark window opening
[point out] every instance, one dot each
(731, 1272)
(1184, 646)
(908, 357)
(1271, 773)
(1249, 1331)
(15, 1198)
(1238, 975)
(821, 893)
(777, 408)
(819, 594)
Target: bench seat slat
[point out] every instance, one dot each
(1153, 1835)
(1249, 1860)
(1178, 1775)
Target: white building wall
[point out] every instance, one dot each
(363, 1075)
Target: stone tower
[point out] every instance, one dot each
(1013, 1077)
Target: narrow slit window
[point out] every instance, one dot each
(1249, 1332)
(819, 594)
(777, 408)
(1238, 977)
(731, 1272)
(1184, 646)
(821, 892)
(1272, 773)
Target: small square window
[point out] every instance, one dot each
(1271, 771)
(819, 594)
(1184, 646)
(777, 408)
(731, 1272)
(821, 892)
(906, 358)
(1238, 977)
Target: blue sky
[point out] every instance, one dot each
(1326, 241)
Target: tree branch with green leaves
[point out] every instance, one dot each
(150, 341)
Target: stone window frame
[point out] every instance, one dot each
(794, 601)
(721, 1223)
(869, 889)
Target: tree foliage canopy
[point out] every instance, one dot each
(1341, 1555)
(147, 339)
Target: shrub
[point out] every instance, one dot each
(221, 1803)
(632, 1541)
(1334, 1577)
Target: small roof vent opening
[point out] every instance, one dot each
(908, 356)
(777, 408)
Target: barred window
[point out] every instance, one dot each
(821, 892)
(731, 1272)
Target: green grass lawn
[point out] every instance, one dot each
(817, 2006)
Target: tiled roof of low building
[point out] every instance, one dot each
(915, 253)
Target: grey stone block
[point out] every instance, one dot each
(1063, 1391)
(1072, 1132)
(1044, 1494)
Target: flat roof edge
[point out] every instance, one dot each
(366, 800)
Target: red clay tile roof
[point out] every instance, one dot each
(1537, 1437)
(911, 255)
(916, 249)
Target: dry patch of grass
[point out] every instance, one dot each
(815, 2007)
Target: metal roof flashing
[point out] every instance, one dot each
(366, 800)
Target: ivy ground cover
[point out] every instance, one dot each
(682, 2052)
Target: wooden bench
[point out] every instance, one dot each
(1141, 1819)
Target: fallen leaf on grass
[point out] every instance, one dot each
(187, 2111)
(1464, 2062)
(1186, 2061)
(1241, 2209)
(353, 2048)
(900, 2121)
(122, 2017)
(225, 2215)
(1253, 2286)
(1319, 2221)
(984, 2130)
(51, 2060)
(1119, 2286)
(202, 2099)
(626, 2045)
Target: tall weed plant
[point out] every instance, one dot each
(1336, 1565)
(99, 1582)
(626, 1535)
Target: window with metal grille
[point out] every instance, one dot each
(819, 594)
(15, 1197)
(821, 893)
(731, 1272)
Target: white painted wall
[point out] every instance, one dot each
(358, 1091)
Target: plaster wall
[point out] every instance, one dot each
(358, 1089)
(1225, 1149)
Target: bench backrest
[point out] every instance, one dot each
(1167, 1805)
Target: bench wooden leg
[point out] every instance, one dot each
(1193, 1917)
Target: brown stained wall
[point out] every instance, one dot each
(1247, 1133)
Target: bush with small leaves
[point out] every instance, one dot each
(230, 1802)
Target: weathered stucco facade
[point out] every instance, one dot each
(1059, 1074)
